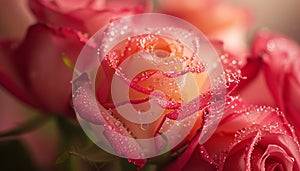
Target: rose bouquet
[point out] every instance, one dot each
(149, 90)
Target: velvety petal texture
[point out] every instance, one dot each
(35, 70)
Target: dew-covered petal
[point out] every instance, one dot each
(88, 109)
(281, 67)
(181, 162)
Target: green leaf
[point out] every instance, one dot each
(62, 158)
(94, 154)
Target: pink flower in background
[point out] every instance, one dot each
(35, 72)
(273, 72)
(248, 138)
(87, 16)
(216, 19)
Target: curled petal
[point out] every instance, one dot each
(86, 104)
(281, 66)
(248, 138)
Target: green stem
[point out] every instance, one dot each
(26, 127)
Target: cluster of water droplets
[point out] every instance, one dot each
(257, 123)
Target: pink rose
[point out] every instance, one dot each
(35, 72)
(274, 69)
(248, 138)
(127, 56)
(87, 16)
(216, 19)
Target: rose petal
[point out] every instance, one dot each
(280, 65)
(39, 59)
(180, 163)
(88, 108)
(243, 121)
(276, 153)
(9, 75)
(254, 82)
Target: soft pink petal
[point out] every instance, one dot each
(87, 107)
(242, 122)
(281, 66)
(190, 159)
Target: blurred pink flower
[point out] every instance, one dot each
(35, 72)
(87, 16)
(273, 72)
(248, 138)
(217, 19)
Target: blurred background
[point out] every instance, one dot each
(277, 15)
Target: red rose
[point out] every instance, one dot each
(248, 138)
(274, 67)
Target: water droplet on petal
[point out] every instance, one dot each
(144, 126)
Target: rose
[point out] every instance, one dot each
(87, 16)
(142, 71)
(216, 19)
(274, 66)
(248, 138)
(143, 86)
(35, 72)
